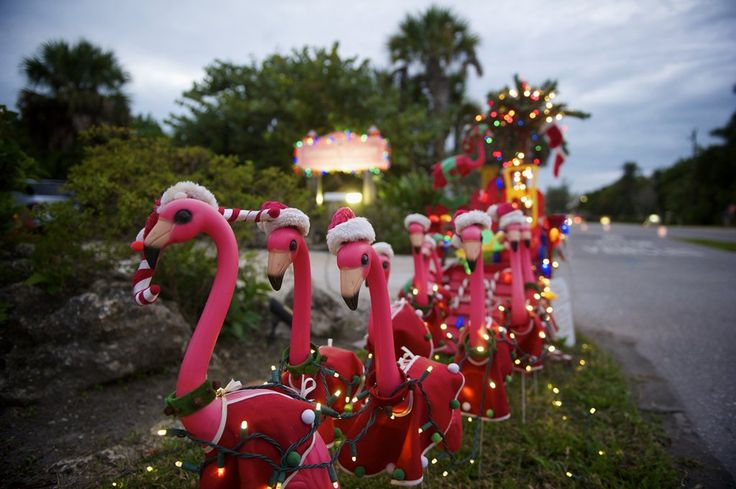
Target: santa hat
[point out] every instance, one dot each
(508, 214)
(189, 190)
(346, 227)
(420, 219)
(464, 218)
(287, 217)
(385, 249)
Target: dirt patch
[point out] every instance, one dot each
(79, 439)
(699, 468)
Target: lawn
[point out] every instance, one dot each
(582, 430)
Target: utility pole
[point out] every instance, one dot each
(694, 140)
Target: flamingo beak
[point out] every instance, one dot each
(157, 238)
(278, 263)
(350, 281)
(416, 240)
(472, 251)
(528, 243)
(514, 245)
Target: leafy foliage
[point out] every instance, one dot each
(15, 167)
(432, 53)
(517, 115)
(70, 88)
(258, 111)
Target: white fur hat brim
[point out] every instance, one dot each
(420, 219)
(491, 211)
(354, 229)
(383, 248)
(471, 218)
(513, 217)
(289, 217)
(189, 190)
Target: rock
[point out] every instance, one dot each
(330, 318)
(93, 338)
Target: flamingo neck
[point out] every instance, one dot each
(481, 150)
(301, 323)
(437, 267)
(193, 371)
(518, 303)
(420, 278)
(477, 304)
(526, 263)
(388, 377)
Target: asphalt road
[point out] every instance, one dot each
(677, 302)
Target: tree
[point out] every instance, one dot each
(70, 88)
(557, 199)
(259, 111)
(433, 52)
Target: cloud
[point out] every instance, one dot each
(650, 71)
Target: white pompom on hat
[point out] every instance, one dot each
(346, 227)
(288, 217)
(420, 219)
(385, 249)
(191, 190)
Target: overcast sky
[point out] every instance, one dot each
(650, 71)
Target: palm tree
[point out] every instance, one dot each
(70, 88)
(434, 51)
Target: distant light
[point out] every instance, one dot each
(606, 221)
(353, 197)
(653, 219)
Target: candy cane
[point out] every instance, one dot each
(143, 292)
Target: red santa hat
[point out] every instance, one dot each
(420, 219)
(464, 218)
(508, 214)
(385, 249)
(287, 217)
(346, 227)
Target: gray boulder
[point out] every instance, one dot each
(330, 318)
(96, 337)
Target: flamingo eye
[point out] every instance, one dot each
(183, 216)
(292, 245)
(384, 264)
(364, 259)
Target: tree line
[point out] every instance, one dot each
(696, 190)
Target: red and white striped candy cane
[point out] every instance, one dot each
(143, 292)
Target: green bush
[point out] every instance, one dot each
(397, 197)
(114, 188)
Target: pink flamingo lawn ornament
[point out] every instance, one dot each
(482, 353)
(409, 409)
(526, 328)
(462, 164)
(424, 295)
(326, 374)
(224, 417)
(385, 254)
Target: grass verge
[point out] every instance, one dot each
(583, 430)
(711, 243)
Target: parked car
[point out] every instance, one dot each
(42, 191)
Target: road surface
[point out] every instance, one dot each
(677, 303)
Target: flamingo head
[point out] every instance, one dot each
(472, 244)
(283, 244)
(354, 261)
(178, 221)
(349, 238)
(385, 254)
(416, 225)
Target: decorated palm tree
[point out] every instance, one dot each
(70, 88)
(433, 52)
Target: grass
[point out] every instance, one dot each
(596, 438)
(711, 243)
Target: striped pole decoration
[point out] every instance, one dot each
(143, 292)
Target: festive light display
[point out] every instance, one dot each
(343, 152)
